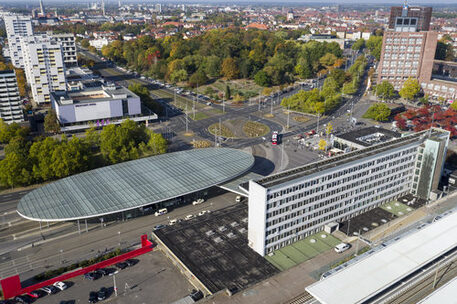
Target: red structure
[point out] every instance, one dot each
(12, 286)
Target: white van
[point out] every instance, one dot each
(161, 212)
(342, 247)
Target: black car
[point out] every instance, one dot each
(103, 271)
(101, 295)
(91, 276)
(23, 299)
(122, 265)
(93, 297)
(131, 262)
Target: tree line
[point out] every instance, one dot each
(44, 159)
(337, 82)
(270, 58)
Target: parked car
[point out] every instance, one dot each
(342, 247)
(203, 212)
(238, 199)
(60, 285)
(172, 222)
(24, 299)
(188, 217)
(91, 276)
(36, 294)
(103, 271)
(93, 297)
(198, 202)
(50, 289)
(161, 212)
(102, 294)
(122, 265)
(158, 227)
(131, 262)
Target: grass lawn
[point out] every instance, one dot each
(397, 208)
(255, 129)
(198, 116)
(223, 131)
(301, 118)
(303, 250)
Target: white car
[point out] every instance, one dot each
(202, 213)
(60, 285)
(198, 202)
(188, 217)
(342, 247)
(172, 222)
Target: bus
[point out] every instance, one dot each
(274, 138)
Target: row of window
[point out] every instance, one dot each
(404, 40)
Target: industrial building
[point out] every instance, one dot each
(110, 104)
(10, 101)
(290, 205)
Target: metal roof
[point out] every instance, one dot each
(133, 184)
(367, 278)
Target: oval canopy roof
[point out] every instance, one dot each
(133, 184)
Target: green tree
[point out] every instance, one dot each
(40, 154)
(9, 131)
(349, 88)
(374, 44)
(328, 60)
(385, 90)
(261, 78)
(378, 112)
(359, 45)
(120, 143)
(410, 89)
(92, 137)
(51, 123)
(14, 170)
(85, 43)
(157, 144)
(229, 68)
(178, 76)
(227, 92)
(198, 78)
(70, 157)
(213, 66)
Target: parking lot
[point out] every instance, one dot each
(153, 279)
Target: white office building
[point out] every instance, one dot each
(44, 66)
(68, 47)
(17, 27)
(288, 206)
(10, 101)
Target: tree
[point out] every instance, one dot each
(9, 131)
(227, 92)
(15, 170)
(51, 124)
(385, 90)
(92, 137)
(157, 144)
(198, 78)
(146, 98)
(349, 88)
(359, 45)
(120, 143)
(322, 144)
(198, 144)
(213, 66)
(410, 89)
(261, 78)
(229, 68)
(378, 112)
(21, 82)
(374, 44)
(178, 76)
(328, 60)
(85, 43)
(328, 128)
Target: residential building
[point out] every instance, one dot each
(99, 43)
(68, 47)
(290, 205)
(79, 109)
(10, 101)
(44, 66)
(16, 27)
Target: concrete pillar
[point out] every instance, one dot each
(87, 230)
(79, 228)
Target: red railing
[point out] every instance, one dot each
(12, 286)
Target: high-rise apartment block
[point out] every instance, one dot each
(10, 101)
(288, 206)
(68, 47)
(409, 51)
(17, 27)
(44, 66)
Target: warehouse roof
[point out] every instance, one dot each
(370, 276)
(133, 184)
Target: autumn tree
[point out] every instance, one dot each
(229, 68)
(51, 124)
(410, 89)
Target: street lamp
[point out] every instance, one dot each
(61, 256)
(119, 234)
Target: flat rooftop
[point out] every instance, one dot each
(92, 94)
(369, 136)
(133, 184)
(367, 278)
(289, 175)
(215, 249)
